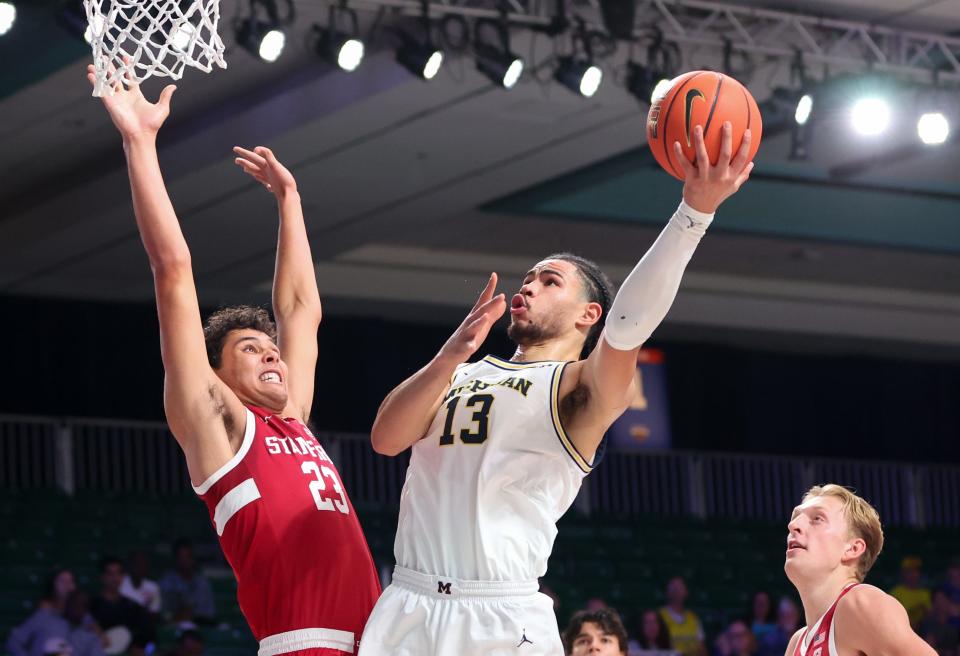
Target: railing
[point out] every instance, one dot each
(117, 456)
(27, 452)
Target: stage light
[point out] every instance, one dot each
(343, 48)
(933, 128)
(266, 40)
(646, 84)
(804, 109)
(496, 61)
(870, 116)
(579, 75)
(501, 66)
(421, 59)
(8, 16)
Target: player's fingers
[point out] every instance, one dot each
(492, 310)
(266, 153)
(250, 155)
(743, 153)
(249, 167)
(495, 307)
(489, 311)
(744, 175)
(128, 75)
(726, 144)
(487, 293)
(703, 158)
(166, 95)
(689, 170)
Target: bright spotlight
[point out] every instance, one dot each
(660, 89)
(8, 16)
(180, 35)
(350, 54)
(804, 107)
(420, 58)
(579, 75)
(263, 39)
(870, 116)
(933, 128)
(433, 65)
(271, 45)
(340, 48)
(501, 66)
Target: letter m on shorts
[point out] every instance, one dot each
(443, 588)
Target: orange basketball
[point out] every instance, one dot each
(701, 98)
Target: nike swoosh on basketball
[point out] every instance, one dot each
(692, 95)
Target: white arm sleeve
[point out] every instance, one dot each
(648, 292)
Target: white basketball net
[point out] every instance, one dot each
(160, 37)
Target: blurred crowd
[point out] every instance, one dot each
(763, 629)
(124, 614)
(128, 608)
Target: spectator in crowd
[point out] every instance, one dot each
(736, 640)
(912, 596)
(686, 631)
(951, 586)
(653, 634)
(187, 595)
(597, 633)
(938, 629)
(138, 587)
(761, 614)
(46, 628)
(775, 642)
(111, 609)
(82, 634)
(189, 643)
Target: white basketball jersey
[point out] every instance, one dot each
(492, 476)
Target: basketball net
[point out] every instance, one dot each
(160, 38)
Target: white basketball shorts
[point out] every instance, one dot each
(425, 615)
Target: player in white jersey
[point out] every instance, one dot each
(500, 447)
(834, 539)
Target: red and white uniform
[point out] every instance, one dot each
(819, 640)
(306, 581)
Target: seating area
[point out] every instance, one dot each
(624, 560)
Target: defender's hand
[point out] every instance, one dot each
(133, 114)
(261, 164)
(470, 335)
(707, 185)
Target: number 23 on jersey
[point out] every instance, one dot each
(318, 487)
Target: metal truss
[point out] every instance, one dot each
(842, 44)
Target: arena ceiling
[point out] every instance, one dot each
(415, 191)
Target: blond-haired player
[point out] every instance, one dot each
(834, 539)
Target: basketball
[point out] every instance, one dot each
(704, 98)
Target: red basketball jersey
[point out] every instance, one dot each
(306, 581)
(819, 640)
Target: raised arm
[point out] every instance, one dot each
(607, 375)
(296, 299)
(870, 621)
(198, 405)
(406, 414)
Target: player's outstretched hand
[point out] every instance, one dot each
(707, 185)
(263, 166)
(474, 330)
(134, 115)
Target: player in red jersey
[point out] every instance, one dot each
(305, 579)
(834, 539)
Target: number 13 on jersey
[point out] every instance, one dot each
(476, 434)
